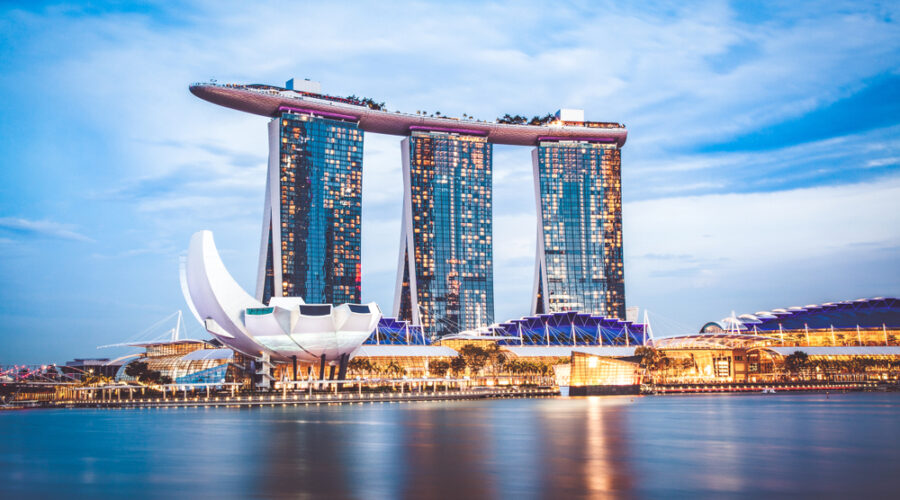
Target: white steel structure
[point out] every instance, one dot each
(286, 328)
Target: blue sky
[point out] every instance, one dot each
(762, 167)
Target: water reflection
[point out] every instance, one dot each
(542, 448)
(462, 450)
(584, 448)
(446, 453)
(303, 456)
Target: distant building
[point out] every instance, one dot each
(445, 280)
(579, 202)
(78, 367)
(849, 322)
(595, 375)
(190, 361)
(312, 219)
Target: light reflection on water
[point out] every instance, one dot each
(841, 445)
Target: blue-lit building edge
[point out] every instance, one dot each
(867, 313)
(392, 331)
(214, 375)
(557, 329)
(570, 328)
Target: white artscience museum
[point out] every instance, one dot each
(285, 329)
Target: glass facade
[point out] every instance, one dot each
(590, 370)
(447, 283)
(579, 262)
(317, 211)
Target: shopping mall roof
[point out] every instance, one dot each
(839, 351)
(205, 354)
(167, 342)
(271, 101)
(864, 313)
(369, 350)
(562, 351)
(466, 336)
(712, 341)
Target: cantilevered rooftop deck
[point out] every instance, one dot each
(271, 101)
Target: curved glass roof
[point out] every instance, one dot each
(865, 313)
(713, 341)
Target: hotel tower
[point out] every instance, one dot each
(310, 244)
(311, 220)
(579, 235)
(445, 278)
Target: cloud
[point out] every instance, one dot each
(167, 250)
(41, 228)
(694, 258)
(846, 159)
(883, 162)
(144, 163)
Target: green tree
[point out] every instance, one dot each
(652, 359)
(796, 362)
(393, 368)
(137, 369)
(438, 367)
(475, 357)
(496, 358)
(458, 365)
(512, 366)
(89, 379)
(360, 365)
(141, 371)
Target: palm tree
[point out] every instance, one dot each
(394, 368)
(360, 365)
(496, 358)
(91, 379)
(475, 357)
(651, 359)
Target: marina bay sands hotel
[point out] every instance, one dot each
(310, 245)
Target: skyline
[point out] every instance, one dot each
(750, 148)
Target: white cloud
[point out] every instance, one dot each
(44, 228)
(175, 164)
(696, 257)
(883, 162)
(753, 229)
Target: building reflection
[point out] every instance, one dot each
(302, 456)
(518, 448)
(446, 457)
(586, 449)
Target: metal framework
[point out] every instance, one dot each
(714, 341)
(570, 328)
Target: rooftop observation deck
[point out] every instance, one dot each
(271, 101)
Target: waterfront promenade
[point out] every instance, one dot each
(302, 398)
(762, 387)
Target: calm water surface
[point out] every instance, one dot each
(846, 445)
